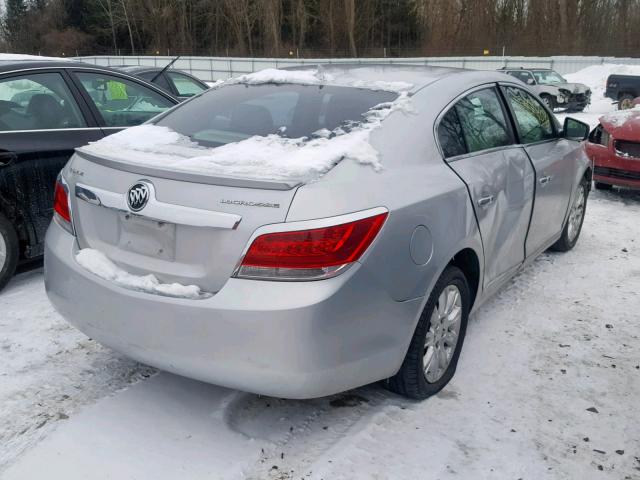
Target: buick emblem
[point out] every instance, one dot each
(138, 196)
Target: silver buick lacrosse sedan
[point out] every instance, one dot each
(301, 232)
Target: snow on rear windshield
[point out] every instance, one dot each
(284, 132)
(237, 112)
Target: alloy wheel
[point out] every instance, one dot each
(576, 214)
(444, 332)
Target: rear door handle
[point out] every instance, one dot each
(544, 180)
(484, 201)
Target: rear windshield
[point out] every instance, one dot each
(236, 112)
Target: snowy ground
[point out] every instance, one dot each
(547, 387)
(561, 339)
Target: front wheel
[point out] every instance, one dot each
(573, 226)
(436, 343)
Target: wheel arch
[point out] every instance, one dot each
(468, 261)
(623, 93)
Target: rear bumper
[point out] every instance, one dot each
(285, 339)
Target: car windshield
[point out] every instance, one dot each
(548, 77)
(237, 112)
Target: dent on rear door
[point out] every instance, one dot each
(501, 187)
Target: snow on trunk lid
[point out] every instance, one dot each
(187, 250)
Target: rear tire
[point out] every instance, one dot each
(603, 186)
(9, 251)
(573, 225)
(625, 102)
(433, 338)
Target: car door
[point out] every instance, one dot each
(42, 121)
(478, 143)
(554, 169)
(120, 102)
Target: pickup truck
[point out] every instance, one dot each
(623, 89)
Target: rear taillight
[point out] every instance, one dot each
(61, 209)
(310, 254)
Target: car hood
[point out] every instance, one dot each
(573, 87)
(623, 125)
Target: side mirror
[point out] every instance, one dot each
(575, 129)
(530, 81)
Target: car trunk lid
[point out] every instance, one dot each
(192, 230)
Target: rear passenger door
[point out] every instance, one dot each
(41, 123)
(478, 143)
(552, 160)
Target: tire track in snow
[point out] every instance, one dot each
(296, 434)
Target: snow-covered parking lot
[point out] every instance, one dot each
(547, 387)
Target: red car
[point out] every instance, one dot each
(614, 147)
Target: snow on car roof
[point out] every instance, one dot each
(623, 124)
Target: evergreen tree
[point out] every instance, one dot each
(13, 24)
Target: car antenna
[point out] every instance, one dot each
(165, 68)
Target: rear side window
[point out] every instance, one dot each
(236, 112)
(450, 135)
(483, 120)
(532, 119)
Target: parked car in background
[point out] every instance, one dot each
(614, 147)
(180, 84)
(269, 254)
(47, 109)
(552, 88)
(623, 89)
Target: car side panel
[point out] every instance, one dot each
(430, 198)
